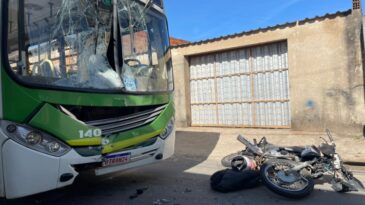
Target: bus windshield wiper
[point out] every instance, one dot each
(118, 61)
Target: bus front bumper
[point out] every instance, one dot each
(27, 172)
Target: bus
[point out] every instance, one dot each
(85, 84)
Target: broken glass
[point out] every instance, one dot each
(67, 44)
(86, 28)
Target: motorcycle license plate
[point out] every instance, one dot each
(116, 159)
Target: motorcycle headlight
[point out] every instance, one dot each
(35, 139)
(168, 130)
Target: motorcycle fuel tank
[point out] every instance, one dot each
(310, 153)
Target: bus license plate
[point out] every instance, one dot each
(116, 159)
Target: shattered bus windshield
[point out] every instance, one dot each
(69, 44)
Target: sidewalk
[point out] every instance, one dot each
(351, 149)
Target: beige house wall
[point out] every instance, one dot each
(325, 71)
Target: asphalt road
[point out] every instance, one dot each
(181, 180)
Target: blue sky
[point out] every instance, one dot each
(195, 20)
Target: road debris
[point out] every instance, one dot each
(187, 190)
(161, 202)
(138, 193)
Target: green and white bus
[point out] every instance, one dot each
(85, 84)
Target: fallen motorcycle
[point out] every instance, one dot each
(290, 171)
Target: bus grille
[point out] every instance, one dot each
(120, 124)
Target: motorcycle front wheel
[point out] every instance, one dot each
(277, 176)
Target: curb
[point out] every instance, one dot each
(355, 163)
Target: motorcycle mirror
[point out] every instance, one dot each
(263, 140)
(329, 135)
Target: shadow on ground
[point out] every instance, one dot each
(168, 183)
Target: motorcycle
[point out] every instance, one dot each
(291, 171)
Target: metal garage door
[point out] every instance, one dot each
(248, 87)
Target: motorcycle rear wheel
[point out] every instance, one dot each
(227, 160)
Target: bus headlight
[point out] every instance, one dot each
(168, 130)
(54, 147)
(35, 139)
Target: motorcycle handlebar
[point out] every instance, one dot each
(249, 145)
